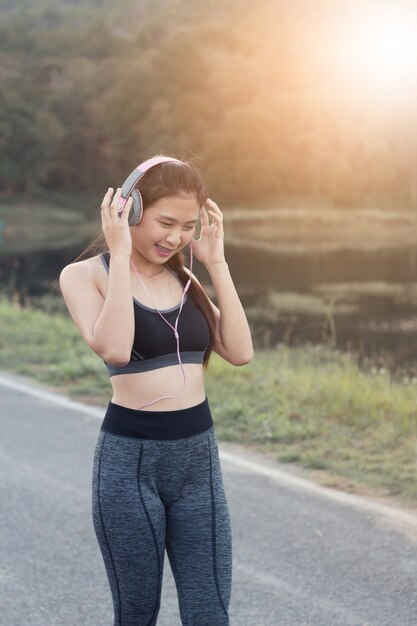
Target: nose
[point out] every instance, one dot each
(174, 239)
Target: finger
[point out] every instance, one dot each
(122, 206)
(107, 198)
(204, 217)
(217, 218)
(114, 212)
(116, 197)
(218, 222)
(126, 209)
(214, 206)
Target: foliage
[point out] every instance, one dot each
(88, 89)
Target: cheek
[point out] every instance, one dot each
(146, 233)
(188, 236)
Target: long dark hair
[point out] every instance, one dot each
(162, 181)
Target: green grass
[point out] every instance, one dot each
(309, 405)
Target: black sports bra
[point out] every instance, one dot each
(154, 343)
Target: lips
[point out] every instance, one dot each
(165, 249)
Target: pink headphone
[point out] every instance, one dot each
(135, 216)
(136, 210)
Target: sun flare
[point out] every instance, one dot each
(379, 46)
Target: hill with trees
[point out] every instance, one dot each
(89, 89)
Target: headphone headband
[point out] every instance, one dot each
(146, 165)
(137, 174)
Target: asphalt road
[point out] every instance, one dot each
(300, 558)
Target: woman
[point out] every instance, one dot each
(157, 480)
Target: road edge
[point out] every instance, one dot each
(234, 454)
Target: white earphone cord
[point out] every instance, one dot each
(173, 328)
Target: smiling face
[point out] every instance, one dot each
(168, 223)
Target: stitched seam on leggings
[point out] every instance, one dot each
(105, 534)
(213, 531)
(153, 532)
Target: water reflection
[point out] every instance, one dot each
(363, 299)
(358, 299)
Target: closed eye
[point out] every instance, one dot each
(187, 227)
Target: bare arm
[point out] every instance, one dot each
(115, 326)
(233, 340)
(107, 324)
(233, 327)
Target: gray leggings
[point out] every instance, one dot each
(149, 494)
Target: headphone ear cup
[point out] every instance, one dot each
(136, 210)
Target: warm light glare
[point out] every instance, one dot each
(380, 46)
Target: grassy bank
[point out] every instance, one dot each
(311, 405)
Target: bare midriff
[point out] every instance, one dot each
(135, 390)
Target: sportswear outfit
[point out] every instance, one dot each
(157, 484)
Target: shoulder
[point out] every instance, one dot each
(88, 271)
(86, 266)
(83, 288)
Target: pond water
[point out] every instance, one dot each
(359, 299)
(364, 300)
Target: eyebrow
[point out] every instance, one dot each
(167, 217)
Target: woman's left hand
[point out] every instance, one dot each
(209, 248)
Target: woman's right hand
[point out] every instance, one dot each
(115, 228)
